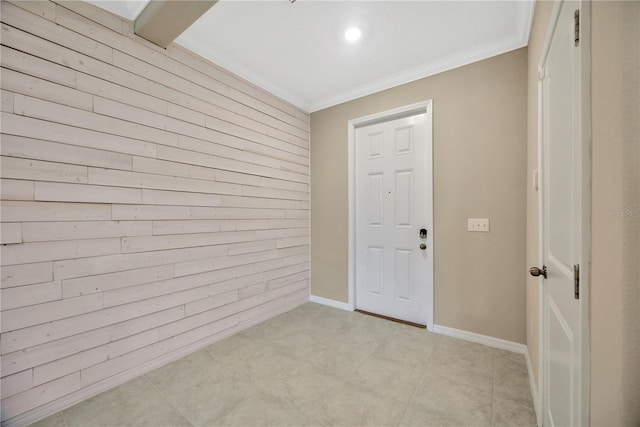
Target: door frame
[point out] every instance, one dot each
(407, 110)
(585, 196)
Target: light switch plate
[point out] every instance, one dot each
(478, 224)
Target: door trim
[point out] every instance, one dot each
(418, 108)
(585, 230)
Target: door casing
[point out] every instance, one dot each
(417, 108)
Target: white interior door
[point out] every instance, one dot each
(394, 274)
(563, 250)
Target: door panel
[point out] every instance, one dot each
(393, 201)
(561, 223)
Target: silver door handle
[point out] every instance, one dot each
(535, 271)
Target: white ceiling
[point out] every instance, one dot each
(297, 50)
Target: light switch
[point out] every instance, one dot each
(478, 224)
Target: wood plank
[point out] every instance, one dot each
(154, 243)
(48, 251)
(67, 327)
(66, 269)
(6, 103)
(261, 182)
(37, 67)
(29, 148)
(205, 305)
(55, 230)
(293, 241)
(17, 168)
(50, 211)
(170, 168)
(274, 158)
(292, 213)
(252, 290)
(149, 212)
(27, 85)
(194, 158)
(179, 198)
(57, 192)
(58, 368)
(197, 212)
(282, 110)
(251, 247)
(119, 93)
(26, 274)
(66, 19)
(48, 30)
(210, 226)
(33, 128)
(91, 12)
(280, 233)
(185, 114)
(42, 8)
(10, 232)
(122, 279)
(37, 396)
(36, 355)
(104, 370)
(117, 178)
(222, 261)
(23, 296)
(16, 383)
(148, 54)
(286, 280)
(19, 318)
(221, 310)
(45, 110)
(139, 67)
(203, 285)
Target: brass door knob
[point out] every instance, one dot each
(423, 246)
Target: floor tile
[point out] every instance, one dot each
(509, 412)
(438, 401)
(135, 403)
(320, 366)
(511, 380)
(55, 420)
(355, 405)
(261, 409)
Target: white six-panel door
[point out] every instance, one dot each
(393, 202)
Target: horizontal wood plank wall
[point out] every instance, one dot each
(151, 202)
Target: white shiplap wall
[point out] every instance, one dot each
(151, 203)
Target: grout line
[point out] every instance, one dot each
(493, 382)
(167, 400)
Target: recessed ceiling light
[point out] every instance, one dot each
(353, 34)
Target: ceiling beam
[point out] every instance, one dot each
(162, 21)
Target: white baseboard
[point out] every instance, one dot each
(481, 339)
(534, 388)
(331, 303)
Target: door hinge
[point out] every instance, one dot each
(576, 27)
(576, 281)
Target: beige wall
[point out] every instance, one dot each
(536, 41)
(479, 171)
(615, 287)
(152, 203)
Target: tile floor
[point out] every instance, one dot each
(319, 366)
